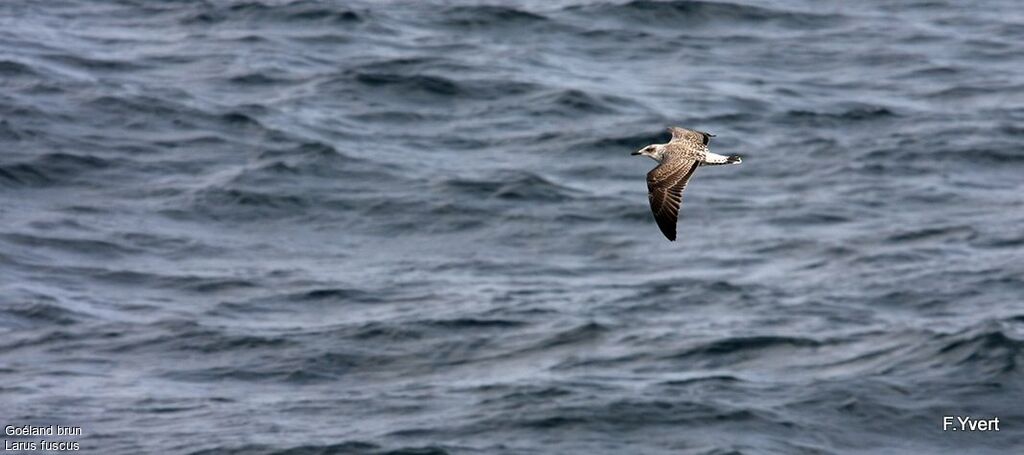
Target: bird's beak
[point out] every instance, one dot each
(635, 153)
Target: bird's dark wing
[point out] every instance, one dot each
(685, 134)
(665, 185)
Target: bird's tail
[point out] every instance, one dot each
(715, 159)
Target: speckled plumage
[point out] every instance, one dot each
(678, 159)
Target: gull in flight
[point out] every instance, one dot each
(678, 159)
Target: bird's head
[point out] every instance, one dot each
(653, 151)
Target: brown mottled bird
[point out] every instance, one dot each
(679, 158)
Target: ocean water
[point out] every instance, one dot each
(361, 227)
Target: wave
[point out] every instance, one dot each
(810, 218)
(119, 105)
(436, 86)
(511, 186)
(225, 203)
(182, 282)
(37, 311)
(302, 12)
(621, 143)
(84, 246)
(694, 12)
(574, 103)
(414, 65)
(344, 294)
(583, 333)
(390, 332)
(721, 378)
(257, 79)
(170, 246)
(930, 234)
(964, 93)
(96, 64)
(11, 68)
(732, 350)
(182, 337)
(51, 169)
(1000, 241)
(9, 133)
(857, 113)
(992, 348)
(306, 179)
(315, 368)
(628, 414)
(738, 345)
(347, 448)
(989, 154)
(986, 351)
(474, 323)
(490, 16)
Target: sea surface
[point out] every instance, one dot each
(415, 227)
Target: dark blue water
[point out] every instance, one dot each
(315, 227)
